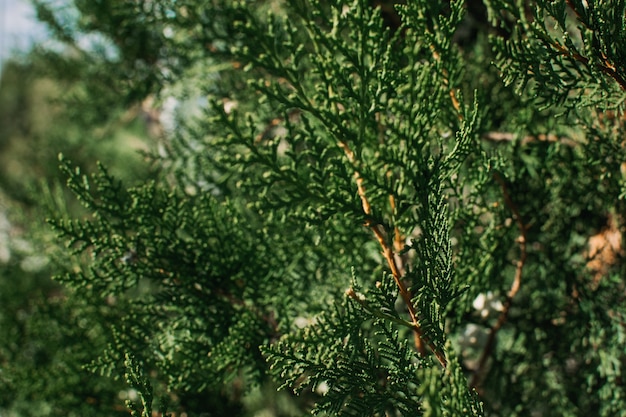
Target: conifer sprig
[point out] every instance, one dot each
(329, 135)
(562, 50)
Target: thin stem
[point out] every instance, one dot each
(363, 303)
(387, 251)
(446, 81)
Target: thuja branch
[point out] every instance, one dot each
(604, 65)
(387, 251)
(515, 286)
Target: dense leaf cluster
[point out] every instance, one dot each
(352, 201)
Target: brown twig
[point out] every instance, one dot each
(517, 280)
(420, 339)
(398, 239)
(446, 81)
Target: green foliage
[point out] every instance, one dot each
(46, 340)
(364, 366)
(46, 337)
(566, 52)
(353, 202)
(136, 379)
(202, 252)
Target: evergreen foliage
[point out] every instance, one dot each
(353, 202)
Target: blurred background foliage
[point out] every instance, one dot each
(51, 102)
(100, 92)
(91, 92)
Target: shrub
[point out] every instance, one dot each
(409, 209)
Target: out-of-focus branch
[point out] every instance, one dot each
(515, 286)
